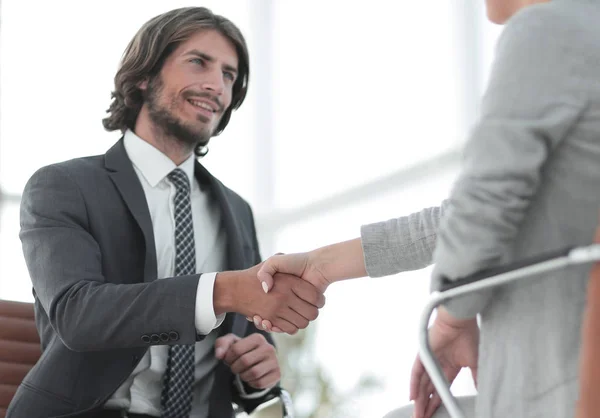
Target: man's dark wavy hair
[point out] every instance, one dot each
(152, 45)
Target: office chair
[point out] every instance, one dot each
(485, 280)
(20, 350)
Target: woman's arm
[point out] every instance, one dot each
(384, 248)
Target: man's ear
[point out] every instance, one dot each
(143, 85)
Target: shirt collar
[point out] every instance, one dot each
(151, 162)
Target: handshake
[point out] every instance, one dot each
(282, 294)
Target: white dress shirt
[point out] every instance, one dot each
(141, 392)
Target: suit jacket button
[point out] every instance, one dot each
(155, 339)
(164, 337)
(173, 335)
(146, 338)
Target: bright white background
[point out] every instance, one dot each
(356, 113)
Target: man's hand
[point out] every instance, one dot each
(455, 344)
(290, 305)
(252, 358)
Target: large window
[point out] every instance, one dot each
(360, 90)
(14, 279)
(491, 34)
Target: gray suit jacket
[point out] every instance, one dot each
(530, 183)
(88, 242)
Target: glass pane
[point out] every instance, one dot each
(491, 33)
(372, 320)
(360, 92)
(14, 277)
(57, 76)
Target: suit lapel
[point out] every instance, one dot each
(121, 172)
(235, 253)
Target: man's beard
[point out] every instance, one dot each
(170, 125)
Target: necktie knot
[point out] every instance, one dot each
(180, 180)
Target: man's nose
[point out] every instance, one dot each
(214, 83)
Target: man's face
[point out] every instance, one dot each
(193, 89)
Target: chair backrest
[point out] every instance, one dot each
(589, 366)
(19, 347)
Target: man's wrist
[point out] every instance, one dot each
(247, 392)
(224, 292)
(206, 320)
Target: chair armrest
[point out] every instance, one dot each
(574, 255)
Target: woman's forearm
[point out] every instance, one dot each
(341, 261)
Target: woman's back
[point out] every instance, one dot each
(531, 330)
(531, 180)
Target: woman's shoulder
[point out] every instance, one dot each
(563, 31)
(556, 18)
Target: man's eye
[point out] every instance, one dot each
(229, 76)
(199, 61)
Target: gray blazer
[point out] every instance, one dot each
(530, 183)
(88, 242)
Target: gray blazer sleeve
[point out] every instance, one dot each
(65, 265)
(401, 244)
(533, 99)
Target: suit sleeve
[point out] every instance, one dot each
(65, 265)
(533, 100)
(401, 244)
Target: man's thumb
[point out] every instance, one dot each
(222, 345)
